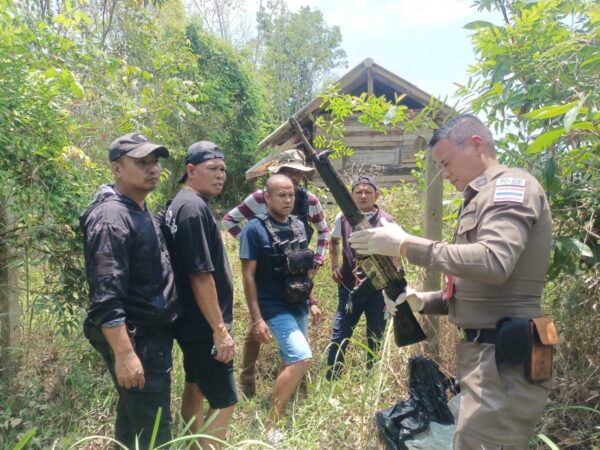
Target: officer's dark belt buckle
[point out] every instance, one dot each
(478, 335)
(465, 334)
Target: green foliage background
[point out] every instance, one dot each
(537, 81)
(76, 74)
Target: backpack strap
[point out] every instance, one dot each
(267, 222)
(295, 222)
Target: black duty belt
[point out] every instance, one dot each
(483, 335)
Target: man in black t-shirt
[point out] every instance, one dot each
(205, 287)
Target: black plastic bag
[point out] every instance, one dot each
(427, 403)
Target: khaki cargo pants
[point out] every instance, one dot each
(499, 407)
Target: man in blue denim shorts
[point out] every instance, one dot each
(277, 290)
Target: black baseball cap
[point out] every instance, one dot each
(199, 152)
(135, 145)
(365, 179)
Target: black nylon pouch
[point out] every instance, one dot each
(297, 289)
(513, 340)
(298, 261)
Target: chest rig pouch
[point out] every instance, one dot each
(292, 260)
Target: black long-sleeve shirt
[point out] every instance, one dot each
(128, 270)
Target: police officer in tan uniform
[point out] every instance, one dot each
(498, 263)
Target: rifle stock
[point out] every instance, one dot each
(380, 271)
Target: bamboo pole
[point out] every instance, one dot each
(9, 305)
(433, 230)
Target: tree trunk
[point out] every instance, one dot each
(9, 305)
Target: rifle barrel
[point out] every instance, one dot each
(380, 271)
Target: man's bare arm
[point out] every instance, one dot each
(205, 294)
(259, 327)
(334, 253)
(128, 367)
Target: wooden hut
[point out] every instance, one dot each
(390, 156)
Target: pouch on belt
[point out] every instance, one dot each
(513, 340)
(297, 289)
(545, 338)
(528, 341)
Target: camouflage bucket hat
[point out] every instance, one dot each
(293, 159)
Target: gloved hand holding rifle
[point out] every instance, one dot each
(380, 271)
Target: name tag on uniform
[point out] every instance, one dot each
(510, 181)
(510, 190)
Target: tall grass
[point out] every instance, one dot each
(60, 396)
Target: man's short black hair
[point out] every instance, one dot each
(459, 130)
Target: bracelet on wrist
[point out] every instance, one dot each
(221, 331)
(257, 322)
(313, 302)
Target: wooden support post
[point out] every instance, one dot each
(370, 89)
(9, 304)
(433, 230)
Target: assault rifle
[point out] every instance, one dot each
(380, 272)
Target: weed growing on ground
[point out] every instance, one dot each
(60, 395)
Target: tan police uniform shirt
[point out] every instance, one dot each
(499, 261)
(501, 253)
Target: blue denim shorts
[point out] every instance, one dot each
(291, 333)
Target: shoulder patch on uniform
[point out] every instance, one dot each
(513, 194)
(511, 181)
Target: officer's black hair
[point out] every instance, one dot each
(459, 130)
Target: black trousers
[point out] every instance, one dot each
(137, 409)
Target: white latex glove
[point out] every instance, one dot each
(414, 299)
(384, 240)
(391, 305)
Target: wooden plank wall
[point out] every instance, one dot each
(390, 156)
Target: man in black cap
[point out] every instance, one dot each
(365, 193)
(205, 287)
(131, 291)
